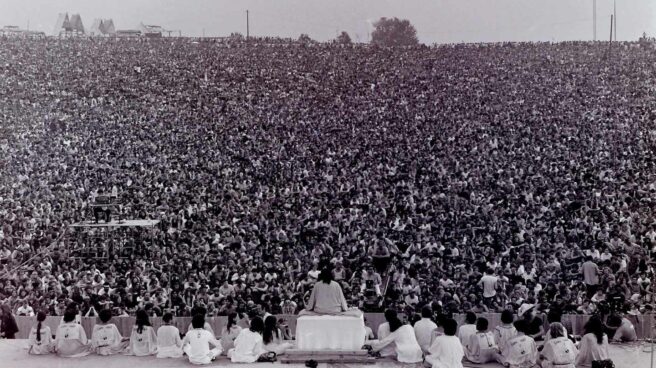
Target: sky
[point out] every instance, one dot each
(436, 21)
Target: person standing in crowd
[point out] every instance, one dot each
(40, 339)
(590, 272)
(8, 326)
(424, 328)
(105, 337)
(70, 338)
(196, 343)
(481, 348)
(169, 343)
(403, 336)
(446, 350)
(489, 284)
(143, 340)
(559, 351)
(594, 343)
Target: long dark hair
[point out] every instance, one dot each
(594, 326)
(326, 275)
(40, 317)
(393, 319)
(270, 327)
(142, 320)
(257, 325)
(232, 320)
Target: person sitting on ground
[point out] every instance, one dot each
(196, 343)
(424, 328)
(468, 329)
(249, 345)
(482, 348)
(327, 298)
(105, 337)
(446, 351)
(272, 337)
(506, 330)
(520, 351)
(230, 332)
(169, 343)
(559, 351)
(203, 312)
(594, 343)
(384, 331)
(403, 337)
(8, 326)
(143, 341)
(71, 340)
(40, 339)
(624, 329)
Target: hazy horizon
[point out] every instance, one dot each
(437, 21)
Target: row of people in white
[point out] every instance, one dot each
(199, 343)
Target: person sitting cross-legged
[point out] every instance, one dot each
(105, 337)
(481, 348)
(559, 351)
(196, 343)
(521, 350)
(40, 337)
(169, 343)
(446, 351)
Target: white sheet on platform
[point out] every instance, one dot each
(330, 333)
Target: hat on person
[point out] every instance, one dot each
(525, 308)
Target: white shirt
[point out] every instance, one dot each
(482, 347)
(25, 311)
(197, 345)
(248, 347)
(144, 343)
(424, 332)
(489, 283)
(407, 347)
(465, 332)
(445, 352)
(169, 343)
(383, 332)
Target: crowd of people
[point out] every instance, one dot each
(470, 177)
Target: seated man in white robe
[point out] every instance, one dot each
(424, 329)
(105, 337)
(40, 339)
(446, 351)
(481, 348)
(520, 351)
(249, 345)
(169, 343)
(327, 298)
(71, 340)
(196, 343)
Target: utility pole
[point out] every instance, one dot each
(594, 20)
(28, 24)
(610, 42)
(248, 32)
(615, 17)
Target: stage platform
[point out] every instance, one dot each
(116, 223)
(13, 354)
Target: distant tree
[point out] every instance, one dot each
(344, 38)
(304, 38)
(236, 36)
(394, 32)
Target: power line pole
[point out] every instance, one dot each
(248, 33)
(615, 17)
(594, 20)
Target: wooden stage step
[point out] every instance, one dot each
(294, 356)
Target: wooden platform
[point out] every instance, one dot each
(294, 356)
(116, 223)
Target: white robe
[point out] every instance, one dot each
(107, 340)
(169, 343)
(464, 334)
(45, 345)
(207, 327)
(503, 333)
(407, 347)
(71, 341)
(424, 332)
(383, 332)
(445, 352)
(482, 348)
(196, 344)
(520, 351)
(228, 338)
(248, 347)
(144, 343)
(590, 350)
(560, 352)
